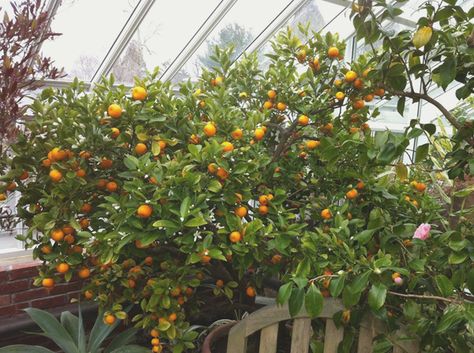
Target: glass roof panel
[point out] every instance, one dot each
(88, 27)
(244, 22)
(161, 36)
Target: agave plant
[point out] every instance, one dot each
(70, 336)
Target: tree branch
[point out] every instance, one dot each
(427, 297)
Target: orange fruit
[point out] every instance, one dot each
(268, 105)
(358, 104)
(106, 163)
(131, 283)
(162, 145)
(114, 132)
(11, 186)
(88, 294)
(259, 133)
(81, 173)
(303, 120)
(84, 223)
(194, 139)
(281, 106)
(144, 211)
(346, 316)
(140, 148)
(77, 249)
(263, 199)
(365, 74)
(57, 154)
(154, 333)
(379, 92)
(420, 187)
(222, 173)
(315, 64)
(114, 111)
(219, 283)
(227, 146)
(55, 175)
(85, 155)
(271, 94)
(62, 267)
(109, 319)
(212, 168)
(350, 76)
(101, 183)
(84, 273)
(237, 134)
(235, 237)
(337, 82)
(301, 56)
(24, 175)
(312, 144)
(360, 185)
(340, 96)
(263, 210)
(3, 197)
(210, 129)
(148, 261)
(358, 83)
(365, 126)
(333, 52)
(156, 349)
(46, 249)
(369, 98)
(86, 208)
(276, 259)
(111, 186)
(326, 213)
(69, 238)
(139, 93)
(172, 317)
(241, 211)
(57, 235)
(352, 194)
(250, 291)
(46, 163)
(47, 282)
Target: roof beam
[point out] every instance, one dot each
(199, 37)
(122, 40)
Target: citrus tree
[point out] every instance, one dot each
(153, 194)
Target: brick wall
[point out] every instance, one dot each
(17, 291)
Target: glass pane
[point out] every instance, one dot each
(161, 36)
(245, 21)
(88, 27)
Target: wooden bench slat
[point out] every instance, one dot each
(237, 340)
(301, 335)
(332, 337)
(366, 335)
(268, 339)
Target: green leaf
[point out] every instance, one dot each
(387, 153)
(456, 258)
(336, 286)
(122, 339)
(350, 297)
(184, 209)
(53, 329)
(444, 74)
(195, 222)
(401, 105)
(377, 295)
(131, 162)
(23, 348)
(449, 320)
(361, 281)
(284, 293)
(71, 323)
(131, 349)
(313, 301)
(444, 285)
(421, 152)
(214, 186)
(295, 303)
(470, 280)
(365, 236)
(402, 171)
(155, 148)
(163, 223)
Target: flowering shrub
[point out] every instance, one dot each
(242, 176)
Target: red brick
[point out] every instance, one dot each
(14, 286)
(73, 295)
(4, 300)
(3, 277)
(49, 302)
(21, 306)
(24, 272)
(8, 310)
(66, 287)
(30, 294)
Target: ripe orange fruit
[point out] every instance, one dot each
(327, 128)
(139, 93)
(106, 163)
(312, 144)
(156, 349)
(86, 208)
(263, 199)
(281, 106)
(47, 282)
(227, 146)
(114, 111)
(219, 283)
(84, 273)
(346, 316)
(235, 237)
(194, 139)
(88, 294)
(241, 211)
(62, 267)
(276, 259)
(172, 317)
(358, 104)
(337, 82)
(303, 120)
(271, 94)
(111, 186)
(109, 319)
(144, 211)
(250, 291)
(365, 74)
(85, 155)
(11, 186)
(154, 333)
(148, 261)
(315, 64)
(210, 129)
(365, 126)
(57, 154)
(352, 194)
(340, 96)
(69, 238)
(222, 173)
(263, 210)
(212, 168)
(84, 223)
(350, 76)
(55, 175)
(114, 132)
(131, 283)
(420, 187)
(202, 104)
(268, 105)
(358, 83)
(46, 249)
(379, 92)
(140, 148)
(369, 98)
(237, 134)
(46, 163)
(162, 145)
(333, 52)
(3, 197)
(57, 235)
(259, 133)
(360, 185)
(24, 175)
(81, 173)
(326, 213)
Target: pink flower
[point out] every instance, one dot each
(422, 232)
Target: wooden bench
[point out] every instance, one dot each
(268, 318)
